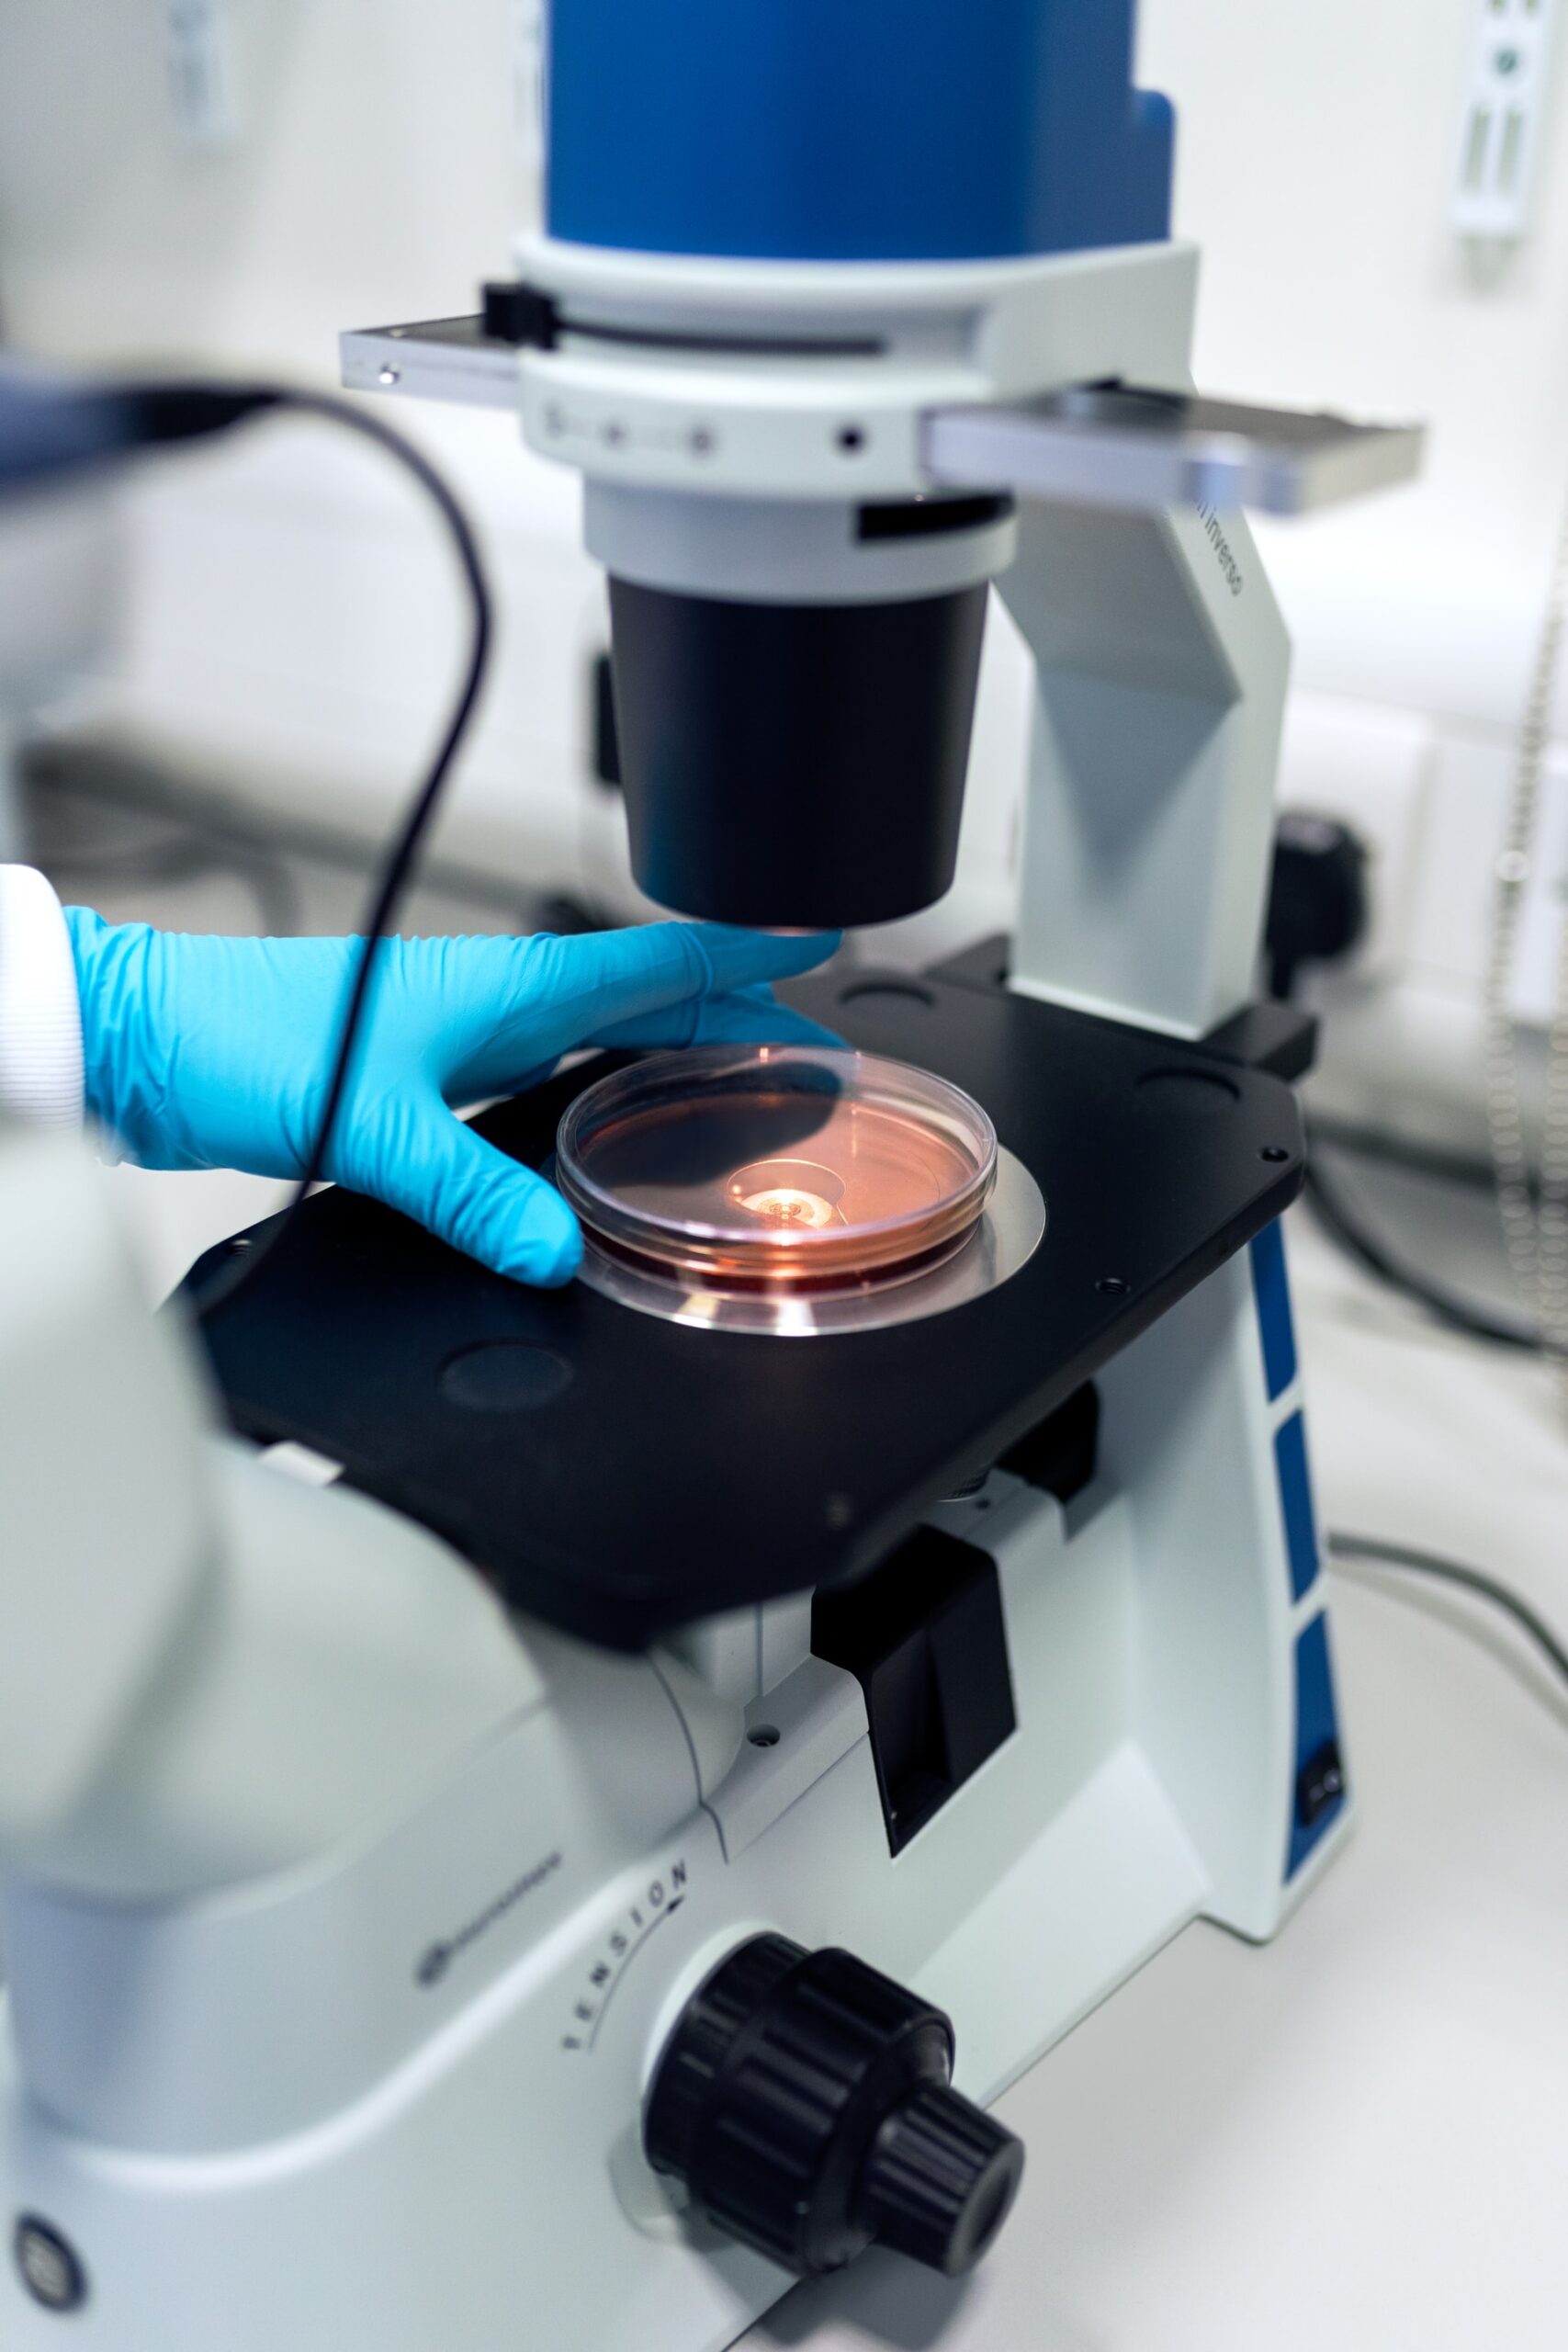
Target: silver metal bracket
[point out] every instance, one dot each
(433, 359)
(1117, 447)
(1086, 447)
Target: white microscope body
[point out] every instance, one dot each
(334, 2003)
(334, 2007)
(347, 1936)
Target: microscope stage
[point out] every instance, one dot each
(619, 1474)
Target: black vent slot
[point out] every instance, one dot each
(925, 1638)
(1060, 1454)
(929, 518)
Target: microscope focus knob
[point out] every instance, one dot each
(803, 2101)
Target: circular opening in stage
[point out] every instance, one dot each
(787, 1171)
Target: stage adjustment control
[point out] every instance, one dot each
(805, 2102)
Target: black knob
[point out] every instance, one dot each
(804, 2100)
(1318, 896)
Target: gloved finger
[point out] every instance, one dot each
(562, 992)
(746, 1018)
(659, 964)
(425, 1162)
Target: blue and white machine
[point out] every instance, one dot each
(423, 1975)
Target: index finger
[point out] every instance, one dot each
(601, 978)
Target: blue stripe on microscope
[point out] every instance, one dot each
(1318, 1795)
(1272, 1284)
(878, 130)
(1295, 1502)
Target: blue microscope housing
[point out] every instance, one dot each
(846, 130)
(828, 133)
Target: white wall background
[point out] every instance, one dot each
(294, 626)
(1319, 147)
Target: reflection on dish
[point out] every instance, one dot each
(785, 1170)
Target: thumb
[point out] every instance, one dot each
(426, 1163)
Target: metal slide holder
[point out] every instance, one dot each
(1118, 445)
(1104, 445)
(433, 359)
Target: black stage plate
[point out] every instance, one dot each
(619, 1476)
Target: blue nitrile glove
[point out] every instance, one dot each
(215, 1053)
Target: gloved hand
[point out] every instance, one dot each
(215, 1053)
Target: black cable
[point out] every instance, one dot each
(1439, 1163)
(1344, 1225)
(1371, 1253)
(1377, 1554)
(185, 403)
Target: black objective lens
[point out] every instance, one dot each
(795, 766)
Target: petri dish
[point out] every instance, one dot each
(778, 1171)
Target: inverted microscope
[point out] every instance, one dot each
(631, 1775)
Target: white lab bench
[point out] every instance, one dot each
(1356, 2138)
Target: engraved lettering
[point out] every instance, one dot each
(435, 1960)
(1232, 572)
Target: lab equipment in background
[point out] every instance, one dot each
(1317, 897)
(108, 825)
(201, 73)
(1521, 1080)
(1537, 1236)
(1448, 1034)
(1504, 104)
(991, 1645)
(1317, 916)
(60, 580)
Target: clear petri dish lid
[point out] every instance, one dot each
(777, 1168)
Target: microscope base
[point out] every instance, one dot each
(483, 2184)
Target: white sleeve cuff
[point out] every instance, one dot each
(41, 1012)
